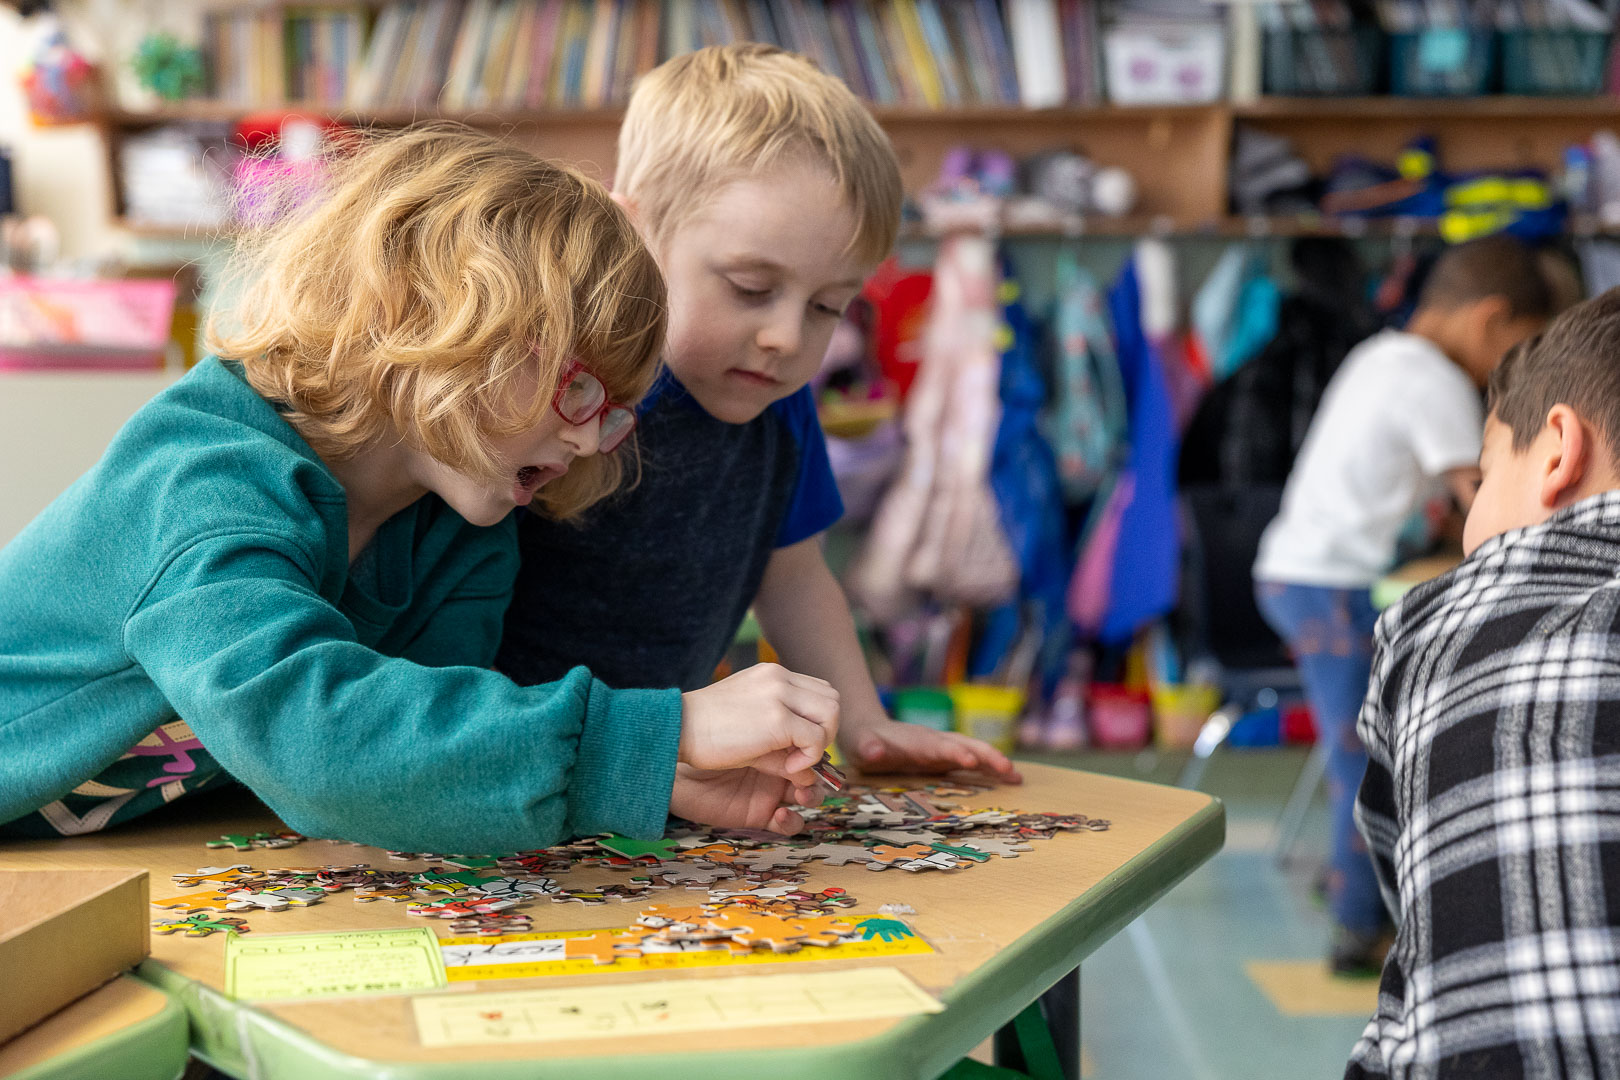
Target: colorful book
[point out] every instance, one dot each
(515, 78)
(951, 79)
(898, 54)
(542, 53)
(680, 27)
(841, 25)
(599, 54)
(576, 36)
(502, 41)
(651, 19)
(453, 98)
(761, 27)
(873, 62)
(478, 59)
(787, 31)
(995, 36)
(968, 41)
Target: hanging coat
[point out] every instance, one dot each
(1144, 578)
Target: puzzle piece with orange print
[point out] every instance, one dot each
(713, 853)
(604, 946)
(887, 855)
(758, 928)
(664, 916)
(397, 896)
(212, 876)
(212, 900)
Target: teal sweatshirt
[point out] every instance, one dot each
(187, 610)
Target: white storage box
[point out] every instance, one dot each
(1165, 63)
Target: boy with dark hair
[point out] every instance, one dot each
(1401, 415)
(1492, 796)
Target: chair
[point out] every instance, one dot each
(1223, 626)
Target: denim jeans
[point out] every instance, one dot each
(1329, 632)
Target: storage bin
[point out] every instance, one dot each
(1442, 62)
(1324, 63)
(926, 706)
(1164, 64)
(990, 713)
(59, 324)
(1179, 713)
(1121, 717)
(1563, 62)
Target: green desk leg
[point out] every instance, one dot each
(1041, 1043)
(154, 1049)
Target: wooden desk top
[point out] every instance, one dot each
(1003, 931)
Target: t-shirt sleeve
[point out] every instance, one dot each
(1444, 421)
(816, 504)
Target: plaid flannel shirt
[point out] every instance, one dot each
(1491, 805)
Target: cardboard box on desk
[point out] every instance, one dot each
(62, 934)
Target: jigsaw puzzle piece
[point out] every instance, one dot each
(200, 925)
(603, 947)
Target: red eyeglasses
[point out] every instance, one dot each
(582, 398)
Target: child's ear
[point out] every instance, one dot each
(1567, 459)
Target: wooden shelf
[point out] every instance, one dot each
(977, 114)
(1177, 153)
(1407, 108)
(1272, 108)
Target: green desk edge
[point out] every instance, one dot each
(152, 1049)
(245, 1041)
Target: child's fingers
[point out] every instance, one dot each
(786, 822)
(813, 684)
(776, 765)
(981, 755)
(816, 708)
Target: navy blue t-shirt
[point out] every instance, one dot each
(648, 587)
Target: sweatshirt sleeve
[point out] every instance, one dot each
(342, 741)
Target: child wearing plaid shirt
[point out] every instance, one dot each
(1491, 802)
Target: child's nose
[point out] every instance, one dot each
(782, 335)
(585, 438)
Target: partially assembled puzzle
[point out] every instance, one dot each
(755, 881)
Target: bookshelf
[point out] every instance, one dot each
(1177, 154)
(553, 74)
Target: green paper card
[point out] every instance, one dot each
(343, 963)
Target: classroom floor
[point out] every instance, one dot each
(1196, 988)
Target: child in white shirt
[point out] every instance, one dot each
(1402, 412)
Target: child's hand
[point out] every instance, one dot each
(890, 746)
(739, 799)
(765, 717)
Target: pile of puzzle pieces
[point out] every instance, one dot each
(911, 829)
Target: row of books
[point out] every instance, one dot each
(459, 55)
(266, 56)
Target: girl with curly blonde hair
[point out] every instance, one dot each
(291, 567)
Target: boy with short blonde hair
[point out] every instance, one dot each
(768, 193)
(1491, 802)
(705, 118)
